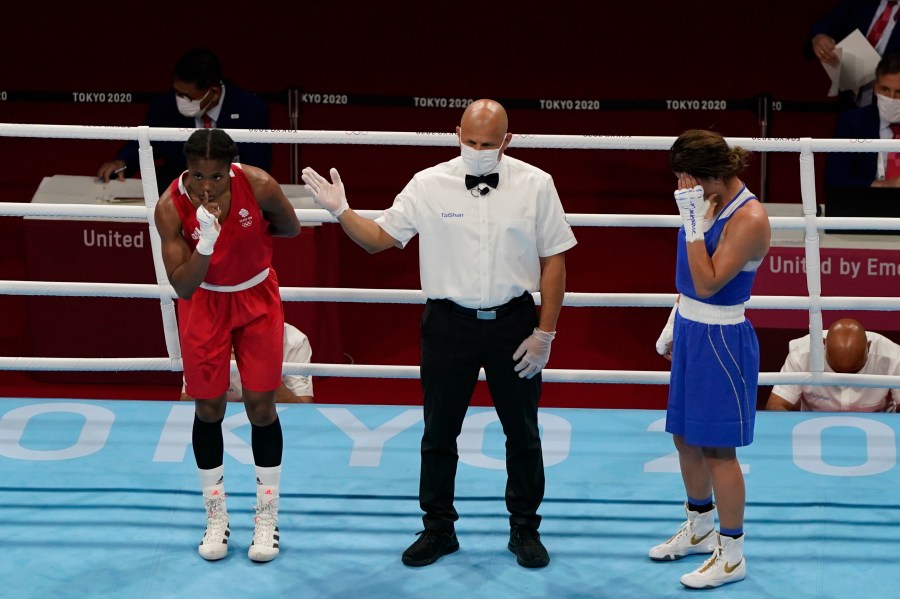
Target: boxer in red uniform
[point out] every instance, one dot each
(216, 223)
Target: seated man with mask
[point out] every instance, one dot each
(879, 120)
(199, 99)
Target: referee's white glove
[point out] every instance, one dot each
(328, 195)
(693, 207)
(209, 231)
(664, 343)
(535, 353)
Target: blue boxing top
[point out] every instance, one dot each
(737, 290)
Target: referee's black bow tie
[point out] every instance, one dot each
(492, 180)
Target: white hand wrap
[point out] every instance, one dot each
(664, 343)
(209, 231)
(330, 196)
(536, 352)
(693, 208)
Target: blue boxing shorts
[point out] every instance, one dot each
(715, 369)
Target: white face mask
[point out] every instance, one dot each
(190, 108)
(888, 108)
(479, 162)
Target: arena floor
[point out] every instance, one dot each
(100, 499)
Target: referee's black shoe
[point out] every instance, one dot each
(430, 545)
(525, 542)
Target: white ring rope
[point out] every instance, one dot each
(395, 138)
(314, 215)
(628, 377)
(163, 292)
(412, 296)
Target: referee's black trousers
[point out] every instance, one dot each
(454, 347)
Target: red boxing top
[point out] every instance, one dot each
(244, 247)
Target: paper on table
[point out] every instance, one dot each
(856, 68)
(129, 190)
(83, 189)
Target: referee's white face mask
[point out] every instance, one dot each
(480, 162)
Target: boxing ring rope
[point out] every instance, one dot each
(162, 291)
(412, 296)
(137, 213)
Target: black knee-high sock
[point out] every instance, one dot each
(209, 448)
(267, 443)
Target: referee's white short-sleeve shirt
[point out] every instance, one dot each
(480, 250)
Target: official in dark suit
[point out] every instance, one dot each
(854, 169)
(880, 120)
(199, 98)
(875, 19)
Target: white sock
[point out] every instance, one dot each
(212, 478)
(268, 481)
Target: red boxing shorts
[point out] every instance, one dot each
(212, 322)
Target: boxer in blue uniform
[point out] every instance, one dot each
(714, 351)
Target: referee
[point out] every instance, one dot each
(492, 231)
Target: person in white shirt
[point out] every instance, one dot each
(849, 348)
(491, 231)
(294, 388)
